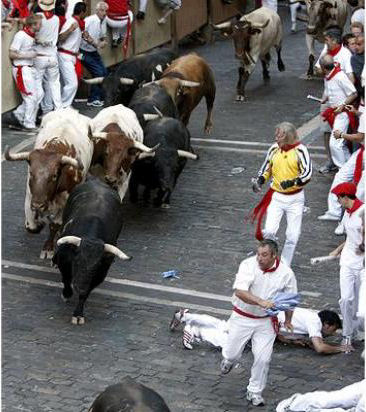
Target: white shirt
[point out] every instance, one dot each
(96, 28)
(48, 34)
(22, 42)
(359, 16)
(343, 58)
(351, 255)
(72, 43)
(304, 321)
(361, 125)
(263, 285)
(338, 88)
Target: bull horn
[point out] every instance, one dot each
(250, 58)
(144, 155)
(158, 112)
(150, 83)
(222, 26)
(115, 251)
(69, 240)
(187, 155)
(96, 80)
(188, 83)
(148, 116)
(99, 135)
(143, 148)
(126, 80)
(67, 160)
(15, 156)
(260, 26)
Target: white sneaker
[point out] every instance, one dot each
(293, 27)
(226, 366)
(339, 230)
(328, 216)
(284, 406)
(255, 398)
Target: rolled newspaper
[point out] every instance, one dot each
(321, 259)
(310, 97)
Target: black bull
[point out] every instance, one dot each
(92, 222)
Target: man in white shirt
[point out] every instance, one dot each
(96, 27)
(258, 281)
(68, 50)
(352, 258)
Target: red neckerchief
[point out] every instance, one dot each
(48, 14)
(29, 31)
(358, 168)
(80, 22)
(336, 70)
(356, 205)
(287, 147)
(334, 51)
(273, 268)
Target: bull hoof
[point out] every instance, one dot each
(165, 206)
(240, 98)
(208, 129)
(281, 67)
(46, 254)
(266, 79)
(78, 320)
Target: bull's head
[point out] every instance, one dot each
(318, 12)
(175, 87)
(49, 173)
(241, 32)
(119, 153)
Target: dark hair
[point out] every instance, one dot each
(271, 244)
(79, 8)
(335, 33)
(346, 38)
(331, 318)
(352, 197)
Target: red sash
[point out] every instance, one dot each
(336, 70)
(274, 319)
(62, 20)
(20, 82)
(358, 169)
(259, 212)
(78, 65)
(329, 116)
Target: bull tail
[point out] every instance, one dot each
(280, 64)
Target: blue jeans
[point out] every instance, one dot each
(94, 63)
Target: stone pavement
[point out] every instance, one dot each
(51, 365)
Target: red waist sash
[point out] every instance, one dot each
(274, 319)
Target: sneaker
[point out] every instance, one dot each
(31, 129)
(177, 319)
(255, 398)
(226, 366)
(284, 406)
(328, 168)
(328, 216)
(293, 27)
(339, 230)
(187, 340)
(14, 123)
(95, 103)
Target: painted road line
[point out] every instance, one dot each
(116, 294)
(126, 282)
(308, 127)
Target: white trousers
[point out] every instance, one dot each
(293, 10)
(69, 78)
(261, 332)
(47, 102)
(26, 112)
(322, 401)
(48, 74)
(338, 148)
(118, 27)
(345, 174)
(292, 206)
(206, 328)
(350, 282)
(271, 4)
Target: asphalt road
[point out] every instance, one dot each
(51, 365)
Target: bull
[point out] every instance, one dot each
(130, 396)
(254, 35)
(117, 138)
(91, 224)
(187, 80)
(322, 13)
(161, 170)
(146, 101)
(58, 162)
(120, 85)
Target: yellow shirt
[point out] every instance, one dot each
(283, 165)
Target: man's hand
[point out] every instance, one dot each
(266, 304)
(257, 184)
(346, 348)
(288, 325)
(286, 184)
(102, 44)
(339, 109)
(337, 134)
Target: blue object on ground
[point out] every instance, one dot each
(170, 274)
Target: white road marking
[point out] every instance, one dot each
(143, 285)
(112, 293)
(308, 127)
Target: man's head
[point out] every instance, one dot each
(349, 41)
(356, 28)
(267, 253)
(333, 37)
(346, 194)
(360, 44)
(327, 63)
(285, 133)
(330, 322)
(80, 9)
(34, 22)
(101, 9)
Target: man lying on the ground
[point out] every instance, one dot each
(310, 328)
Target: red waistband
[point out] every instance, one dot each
(67, 52)
(290, 193)
(248, 315)
(118, 16)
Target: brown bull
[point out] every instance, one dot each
(187, 80)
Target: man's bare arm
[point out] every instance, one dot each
(248, 297)
(321, 347)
